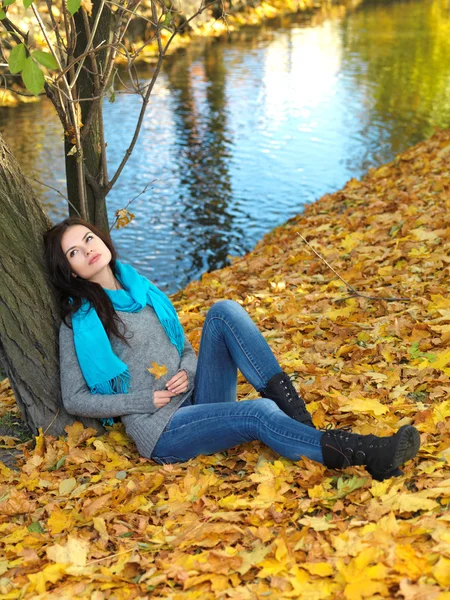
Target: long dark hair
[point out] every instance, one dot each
(71, 291)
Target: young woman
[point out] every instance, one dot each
(116, 325)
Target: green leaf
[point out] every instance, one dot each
(33, 77)
(35, 527)
(348, 485)
(121, 474)
(2, 15)
(168, 20)
(17, 58)
(8, 2)
(27, 3)
(45, 58)
(73, 6)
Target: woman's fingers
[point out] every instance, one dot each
(178, 383)
(162, 398)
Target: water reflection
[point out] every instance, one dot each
(241, 134)
(203, 150)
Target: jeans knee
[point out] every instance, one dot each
(267, 406)
(225, 308)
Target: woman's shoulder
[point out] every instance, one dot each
(65, 327)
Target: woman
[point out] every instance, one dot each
(124, 354)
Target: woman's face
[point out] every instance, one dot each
(87, 254)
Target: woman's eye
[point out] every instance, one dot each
(72, 254)
(89, 237)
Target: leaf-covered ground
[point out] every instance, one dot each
(85, 517)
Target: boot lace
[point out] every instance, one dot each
(291, 395)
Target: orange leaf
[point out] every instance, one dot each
(157, 370)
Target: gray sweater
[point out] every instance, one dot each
(149, 343)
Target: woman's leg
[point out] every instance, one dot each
(210, 428)
(231, 341)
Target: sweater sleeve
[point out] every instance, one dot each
(188, 362)
(78, 399)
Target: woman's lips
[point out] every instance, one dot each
(94, 258)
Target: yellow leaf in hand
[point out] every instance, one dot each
(158, 370)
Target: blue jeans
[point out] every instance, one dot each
(212, 421)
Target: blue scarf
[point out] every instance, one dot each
(103, 371)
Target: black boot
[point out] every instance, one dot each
(380, 455)
(281, 390)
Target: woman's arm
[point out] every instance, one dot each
(78, 399)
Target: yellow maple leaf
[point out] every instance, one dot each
(123, 217)
(60, 520)
(321, 569)
(408, 502)
(363, 580)
(157, 370)
(364, 405)
(352, 240)
(73, 553)
(442, 360)
(51, 573)
(441, 571)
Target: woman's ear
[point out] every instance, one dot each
(74, 275)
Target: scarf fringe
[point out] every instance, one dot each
(116, 385)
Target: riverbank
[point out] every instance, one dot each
(87, 516)
(237, 18)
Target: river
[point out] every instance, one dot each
(242, 133)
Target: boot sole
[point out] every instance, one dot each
(407, 447)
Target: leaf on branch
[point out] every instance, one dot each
(72, 151)
(73, 6)
(27, 3)
(123, 217)
(2, 15)
(17, 59)
(33, 77)
(168, 20)
(45, 59)
(87, 5)
(8, 2)
(111, 93)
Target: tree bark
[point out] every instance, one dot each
(92, 142)
(28, 314)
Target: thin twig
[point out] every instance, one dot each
(90, 42)
(132, 200)
(149, 89)
(55, 190)
(79, 154)
(354, 292)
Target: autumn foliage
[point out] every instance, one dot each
(85, 517)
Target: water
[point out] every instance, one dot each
(241, 134)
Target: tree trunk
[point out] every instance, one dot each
(93, 141)
(28, 315)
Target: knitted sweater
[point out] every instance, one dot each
(148, 342)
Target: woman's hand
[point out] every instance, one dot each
(179, 383)
(176, 385)
(162, 398)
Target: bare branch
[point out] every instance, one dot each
(55, 190)
(59, 41)
(132, 200)
(76, 128)
(90, 42)
(354, 291)
(146, 100)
